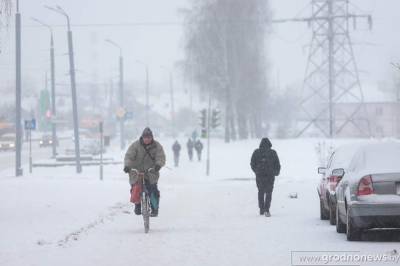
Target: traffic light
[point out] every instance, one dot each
(203, 123)
(204, 133)
(215, 119)
(203, 119)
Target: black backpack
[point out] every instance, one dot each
(265, 163)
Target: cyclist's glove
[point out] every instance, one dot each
(126, 169)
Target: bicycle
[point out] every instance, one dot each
(144, 199)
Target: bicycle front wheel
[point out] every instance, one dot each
(146, 213)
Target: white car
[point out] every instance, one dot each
(368, 194)
(7, 142)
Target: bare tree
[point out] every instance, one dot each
(5, 13)
(225, 54)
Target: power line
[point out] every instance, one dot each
(114, 25)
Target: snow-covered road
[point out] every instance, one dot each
(60, 219)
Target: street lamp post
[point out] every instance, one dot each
(147, 93)
(18, 92)
(61, 11)
(171, 86)
(53, 87)
(121, 91)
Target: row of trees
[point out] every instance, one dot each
(5, 13)
(226, 57)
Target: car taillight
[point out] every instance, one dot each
(365, 186)
(333, 181)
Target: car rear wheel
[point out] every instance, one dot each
(324, 215)
(332, 214)
(352, 231)
(340, 227)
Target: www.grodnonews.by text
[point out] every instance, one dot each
(313, 258)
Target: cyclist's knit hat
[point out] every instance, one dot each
(147, 133)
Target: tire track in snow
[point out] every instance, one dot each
(117, 209)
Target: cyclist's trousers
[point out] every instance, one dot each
(154, 194)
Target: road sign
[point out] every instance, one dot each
(128, 115)
(121, 112)
(30, 124)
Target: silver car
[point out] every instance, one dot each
(368, 194)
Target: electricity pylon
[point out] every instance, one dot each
(332, 74)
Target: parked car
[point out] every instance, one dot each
(368, 194)
(46, 141)
(7, 142)
(340, 158)
(91, 146)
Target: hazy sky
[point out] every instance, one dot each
(163, 44)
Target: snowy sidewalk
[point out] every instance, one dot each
(68, 220)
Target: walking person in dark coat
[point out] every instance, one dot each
(265, 164)
(199, 148)
(190, 147)
(176, 148)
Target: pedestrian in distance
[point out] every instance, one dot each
(176, 148)
(198, 146)
(190, 147)
(266, 166)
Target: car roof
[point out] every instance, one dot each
(377, 157)
(344, 154)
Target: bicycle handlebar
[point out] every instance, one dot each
(145, 172)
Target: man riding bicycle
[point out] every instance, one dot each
(147, 156)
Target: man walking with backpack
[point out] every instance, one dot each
(265, 164)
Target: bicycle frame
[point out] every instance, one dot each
(144, 200)
(146, 209)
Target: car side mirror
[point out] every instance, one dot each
(321, 170)
(338, 172)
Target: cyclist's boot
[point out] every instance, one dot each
(267, 214)
(138, 209)
(262, 211)
(154, 212)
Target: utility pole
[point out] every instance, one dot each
(331, 40)
(147, 97)
(121, 93)
(53, 97)
(53, 88)
(332, 73)
(147, 111)
(208, 132)
(171, 87)
(121, 99)
(18, 91)
(61, 11)
(101, 129)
